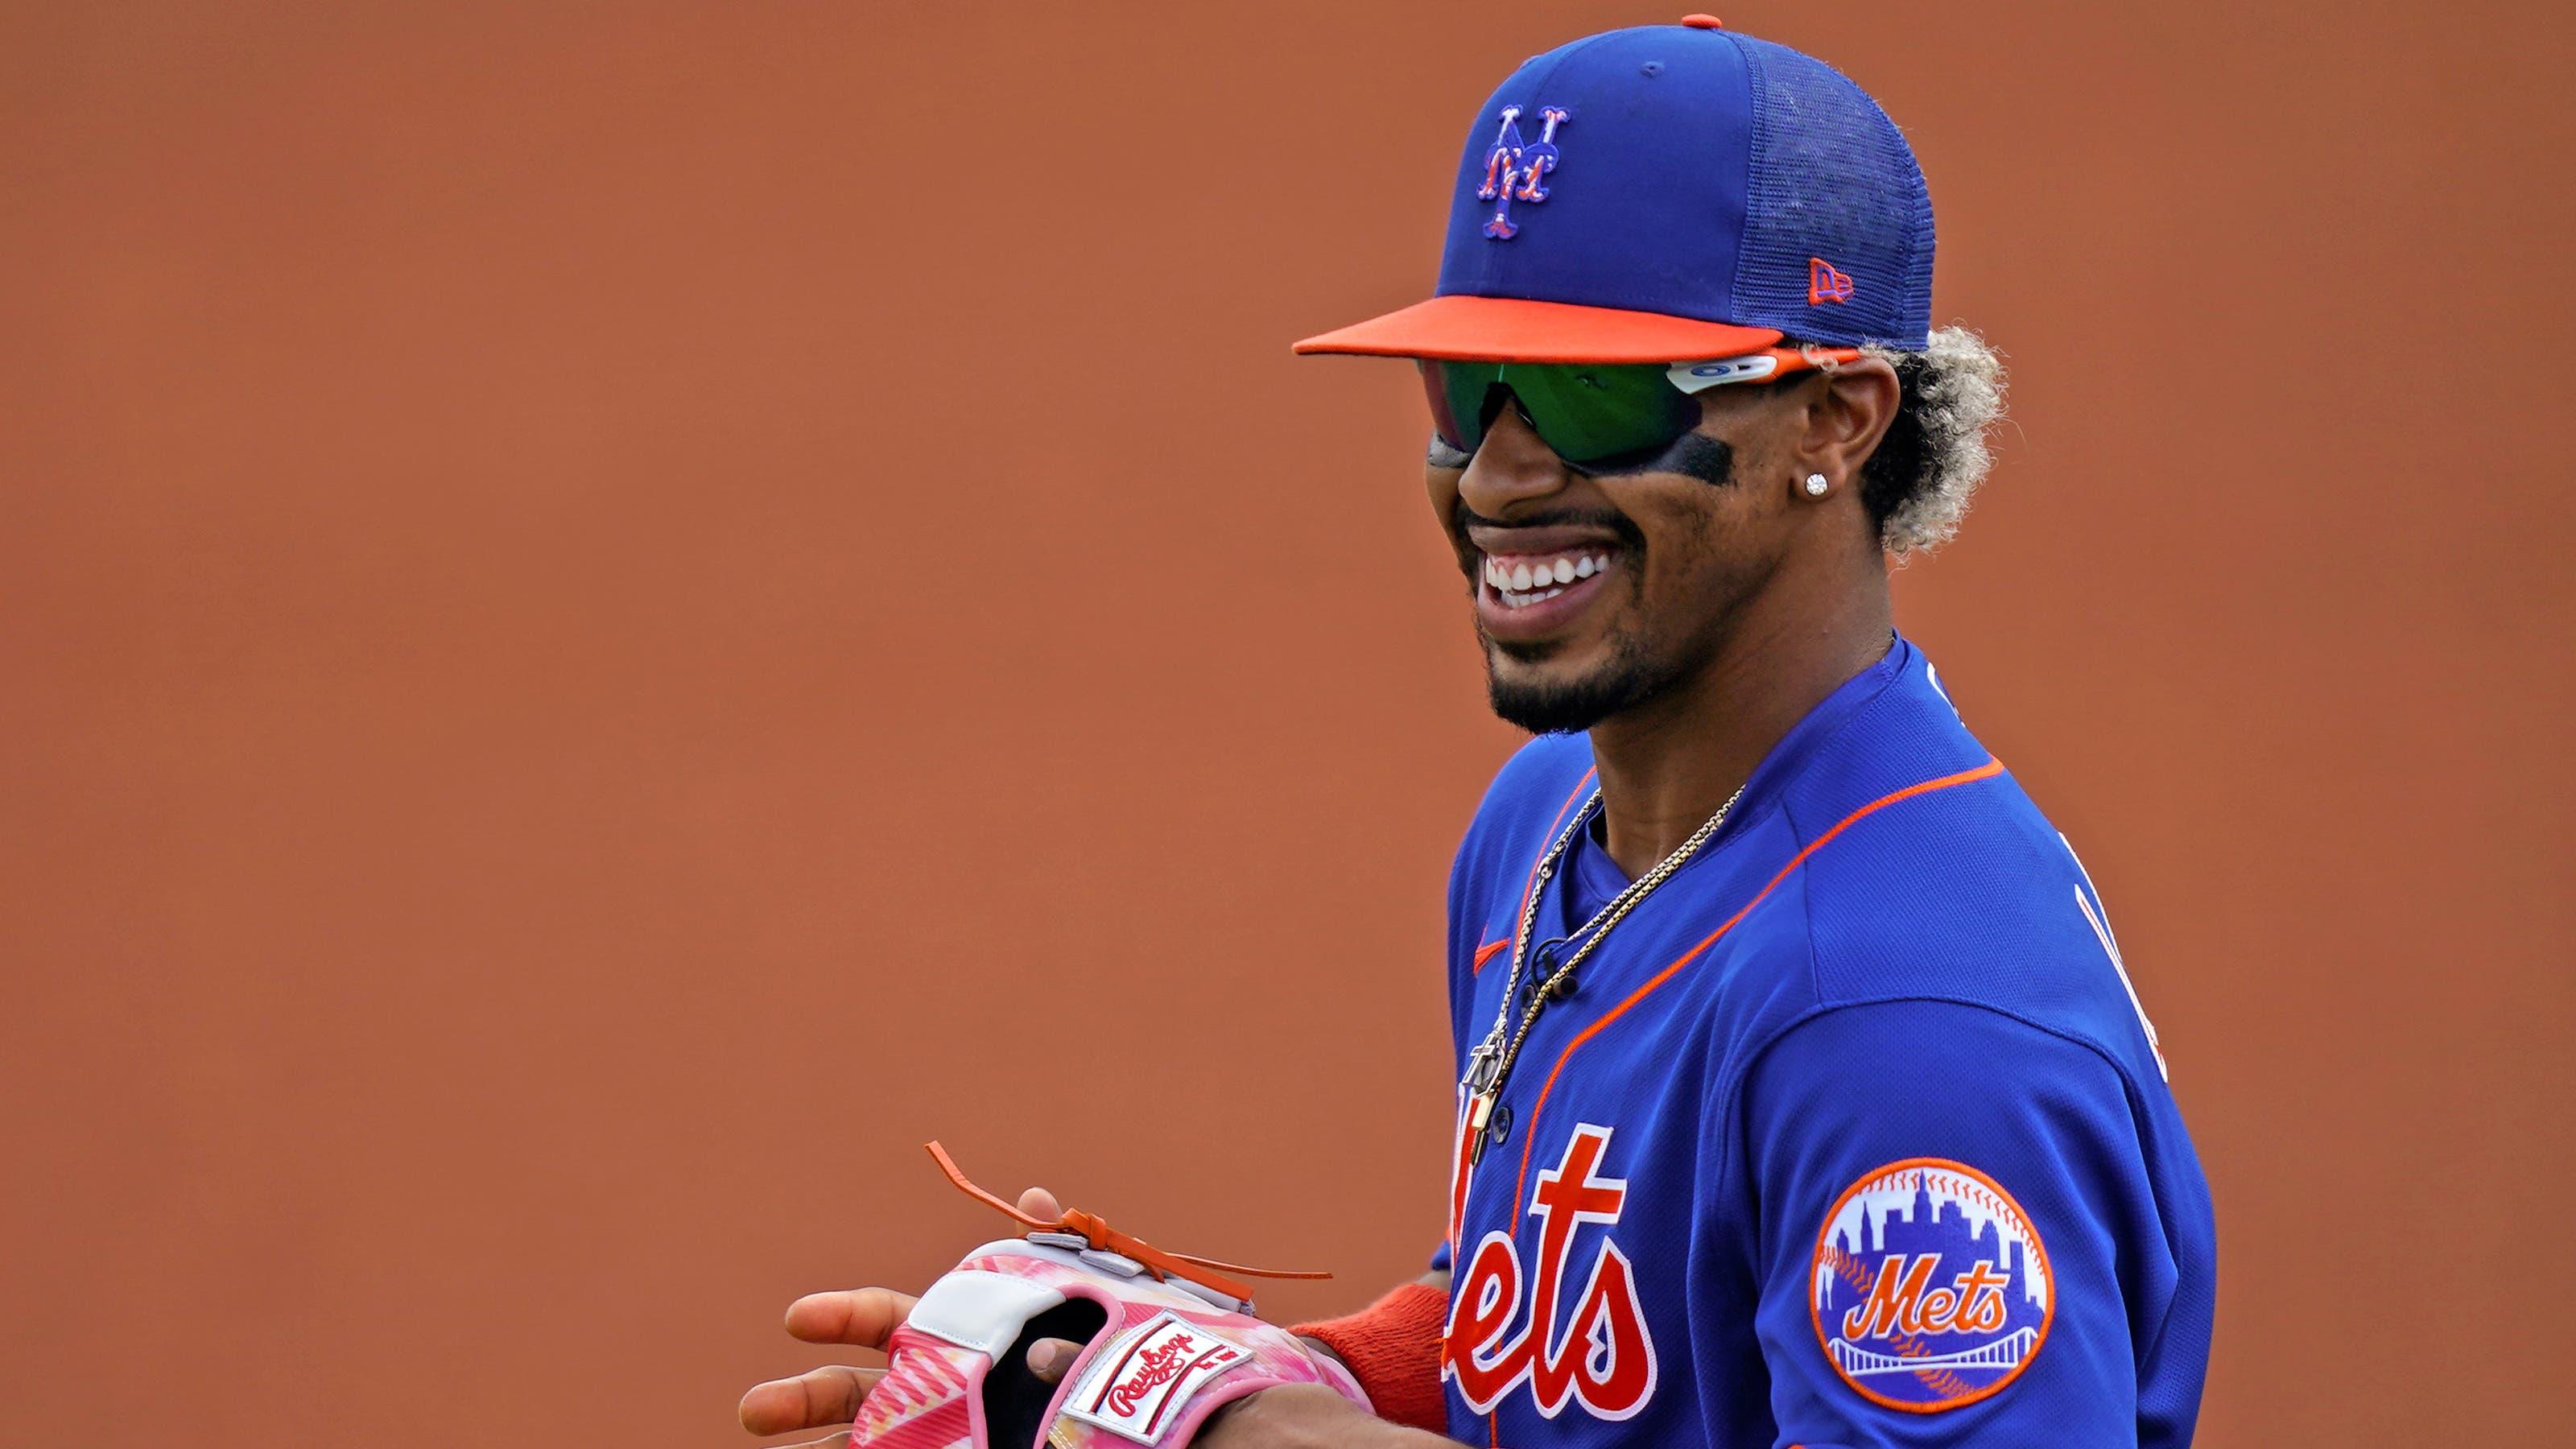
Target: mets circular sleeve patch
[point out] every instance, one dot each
(1930, 1288)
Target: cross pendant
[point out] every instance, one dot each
(1483, 1065)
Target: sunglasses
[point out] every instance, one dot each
(1601, 417)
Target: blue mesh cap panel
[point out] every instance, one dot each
(1831, 179)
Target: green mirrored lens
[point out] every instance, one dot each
(1587, 413)
(1457, 391)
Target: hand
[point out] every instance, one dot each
(830, 1396)
(1306, 1416)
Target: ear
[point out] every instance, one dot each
(1845, 418)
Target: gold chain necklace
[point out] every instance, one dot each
(1490, 1064)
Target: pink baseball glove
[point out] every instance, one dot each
(1167, 1340)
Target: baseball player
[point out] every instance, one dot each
(1803, 1095)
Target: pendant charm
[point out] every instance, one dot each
(1482, 1065)
(1480, 1108)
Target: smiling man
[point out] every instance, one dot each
(1803, 1097)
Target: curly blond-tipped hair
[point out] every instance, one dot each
(1918, 483)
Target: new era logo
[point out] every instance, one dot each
(1825, 283)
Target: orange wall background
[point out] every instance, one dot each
(612, 614)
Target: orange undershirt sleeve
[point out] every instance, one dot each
(1393, 1348)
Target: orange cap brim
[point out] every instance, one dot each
(1512, 329)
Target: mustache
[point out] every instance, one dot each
(1609, 520)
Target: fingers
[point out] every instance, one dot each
(1037, 1202)
(866, 1317)
(1049, 1358)
(829, 1395)
(863, 1316)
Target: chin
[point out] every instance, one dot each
(1544, 696)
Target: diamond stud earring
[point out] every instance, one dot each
(1816, 485)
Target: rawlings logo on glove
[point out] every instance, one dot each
(1164, 1364)
(1168, 1339)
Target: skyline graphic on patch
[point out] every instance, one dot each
(1930, 1288)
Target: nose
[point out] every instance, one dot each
(1512, 468)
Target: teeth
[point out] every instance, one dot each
(1523, 584)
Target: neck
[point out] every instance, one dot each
(1666, 765)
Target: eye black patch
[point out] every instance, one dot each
(1693, 455)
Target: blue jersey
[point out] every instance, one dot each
(1853, 1132)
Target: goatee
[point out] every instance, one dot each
(1627, 680)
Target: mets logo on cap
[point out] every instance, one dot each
(1930, 1288)
(1516, 170)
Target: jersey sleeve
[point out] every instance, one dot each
(1958, 1241)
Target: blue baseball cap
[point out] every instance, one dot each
(1672, 192)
